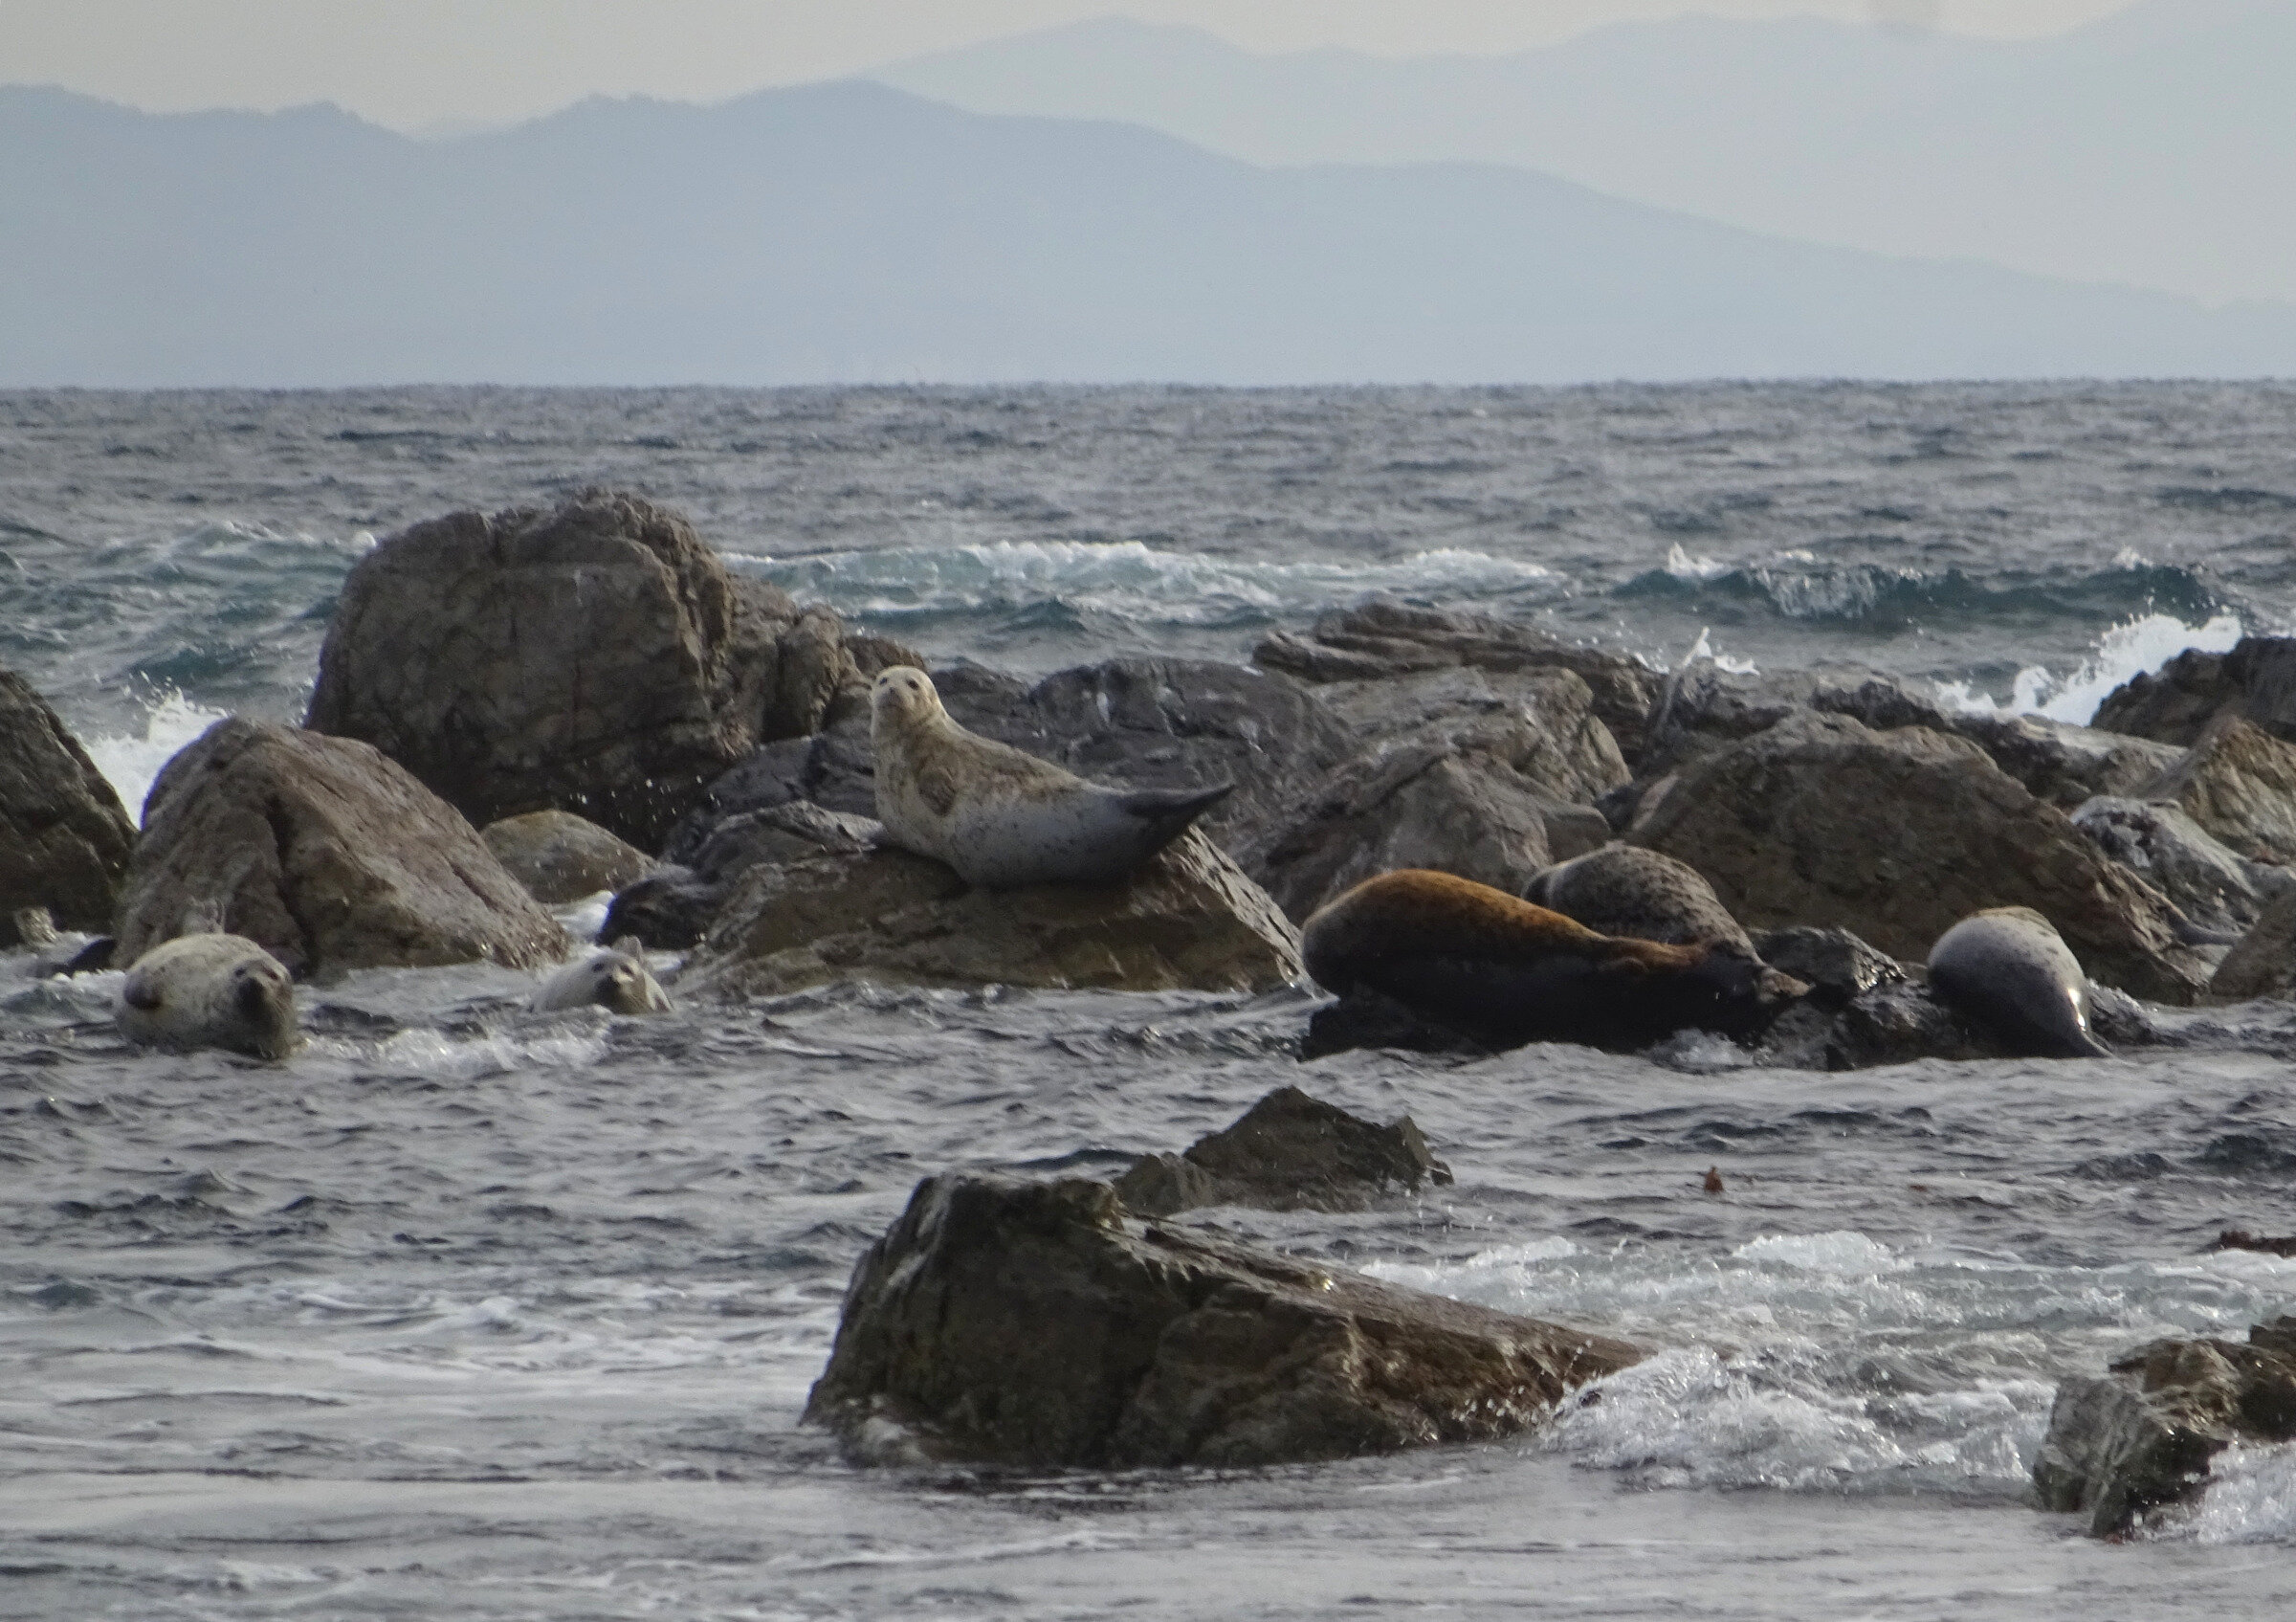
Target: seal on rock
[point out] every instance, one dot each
(1003, 818)
(1643, 895)
(1507, 972)
(2008, 970)
(615, 978)
(210, 990)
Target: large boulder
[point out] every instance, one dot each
(326, 853)
(1382, 639)
(2220, 891)
(2262, 964)
(2175, 704)
(2137, 1440)
(64, 836)
(597, 658)
(561, 857)
(1288, 1152)
(1029, 1323)
(673, 908)
(2238, 782)
(1897, 836)
(1189, 920)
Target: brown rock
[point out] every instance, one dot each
(1288, 1152)
(327, 853)
(561, 857)
(1896, 837)
(64, 837)
(1188, 920)
(2175, 706)
(2239, 782)
(1030, 1324)
(2263, 963)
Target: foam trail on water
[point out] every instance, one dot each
(2138, 647)
(130, 763)
(2250, 1497)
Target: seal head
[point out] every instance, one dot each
(615, 978)
(1003, 818)
(1506, 973)
(2008, 971)
(210, 990)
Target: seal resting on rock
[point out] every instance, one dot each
(1003, 818)
(2007, 969)
(1640, 894)
(210, 990)
(1480, 961)
(615, 978)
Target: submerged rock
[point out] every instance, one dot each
(1188, 920)
(324, 853)
(1029, 1323)
(64, 836)
(561, 857)
(2127, 1445)
(1288, 1152)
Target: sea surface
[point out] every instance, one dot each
(466, 1312)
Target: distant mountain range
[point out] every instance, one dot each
(850, 233)
(2156, 148)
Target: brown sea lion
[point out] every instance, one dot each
(1507, 972)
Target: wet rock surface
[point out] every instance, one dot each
(561, 857)
(1365, 1018)
(64, 836)
(673, 907)
(2239, 782)
(328, 855)
(1029, 1323)
(2220, 891)
(2263, 962)
(2126, 1446)
(2175, 704)
(1832, 961)
(1288, 1152)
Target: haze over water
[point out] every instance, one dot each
(466, 1312)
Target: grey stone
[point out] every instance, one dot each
(2257, 679)
(1288, 1152)
(1834, 961)
(2215, 888)
(561, 857)
(64, 836)
(2238, 782)
(2263, 962)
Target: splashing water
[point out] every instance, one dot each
(2138, 647)
(129, 764)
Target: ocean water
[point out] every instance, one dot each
(466, 1312)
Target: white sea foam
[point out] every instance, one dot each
(2136, 647)
(2250, 1498)
(1123, 577)
(1685, 565)
(129, 764)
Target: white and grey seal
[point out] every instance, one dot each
(1639, 895)
(1003, 818)
(210, 990)
(2009, 971)
(615, 978)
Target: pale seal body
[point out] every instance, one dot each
(1003, 818)
(1505, 972)
(2009, 971)
(615, 978)
(1643, 895)
(210, 990)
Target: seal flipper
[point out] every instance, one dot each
(1168, 812)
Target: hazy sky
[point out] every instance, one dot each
(412, 63)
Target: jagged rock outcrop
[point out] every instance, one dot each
(2175, 704)
(64, 836)
(2238, 782)
(2262, 964)
(1288, 1152)
(2215, 888)
(673, 908)
(597, 658)
(2137, 1440)
(1896, 837)
(327, 853)
(1029, 1323)
(1382, 639)
(1188, 920)
(561, 857)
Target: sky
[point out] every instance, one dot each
(424, 64)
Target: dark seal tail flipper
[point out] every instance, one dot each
(1168, 812)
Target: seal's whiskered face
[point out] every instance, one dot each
(903, 690)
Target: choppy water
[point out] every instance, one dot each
(465, 1312)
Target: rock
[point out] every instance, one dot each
(1832, 961)
(324, 853)
(1365, 1018)
(2257, 679)
(2263, 963)
(64, 837)
(1893, 1022)
(2239, 782)
(34, 926)
(1703, 708)
(1897, 836)
(833, 769)
(596, 659)
(1028, 1323)
(2241, 1239)
(672, 908)
(1188, 920)
(1288, 1152)
(2219, 892)
(1382, 639)
(2139, 1441)
(2066, 765)
(561, 857)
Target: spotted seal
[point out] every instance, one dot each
(1003, 818)
(1505, 972)
(615, 978)
(210, 990)
(1639, 894)
(2009, 971)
